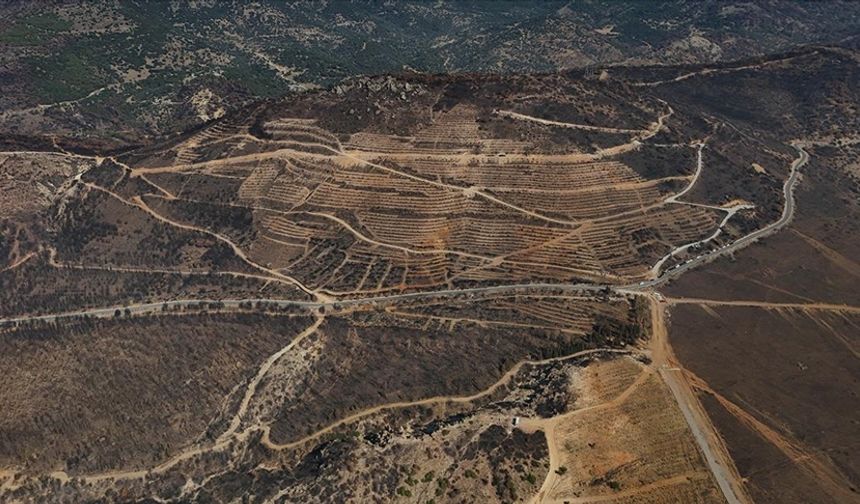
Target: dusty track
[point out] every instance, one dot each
(236, 421)
(766, 305)
(18, 262)
(711, 445)
(549, 122)
(709, 71)
(433, 400)
(745, 241)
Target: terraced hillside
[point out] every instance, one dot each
(469, 190)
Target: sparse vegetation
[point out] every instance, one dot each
(415, 286)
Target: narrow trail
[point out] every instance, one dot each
(550, 122)
(236, 421)
(453, 321)
(45, 106)
(709, 71)
(639, 135)
(60, 152)
(266, 440)
(699, 146)
(640, 184)
(20, 261)
(138, 202)
(850, 266)
(52, 261)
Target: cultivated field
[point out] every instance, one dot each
(622, 441)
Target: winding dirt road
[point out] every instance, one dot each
(435, 400)
(787, 214)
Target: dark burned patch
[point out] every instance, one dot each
(107, 174)
(200, 186)
(430, 428)
(377, 437)
(554, 398)
(546, 391)
(99, 229)
(652, 162)
(316, 471)
(237, 223)
(81, 224)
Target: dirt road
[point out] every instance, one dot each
(767, 305)
(787, 214)
(708, 71)
(710, 444)
(435, 400)
(157, 306)
(549, 122)
(236, 421)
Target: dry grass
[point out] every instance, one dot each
(624, 441)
